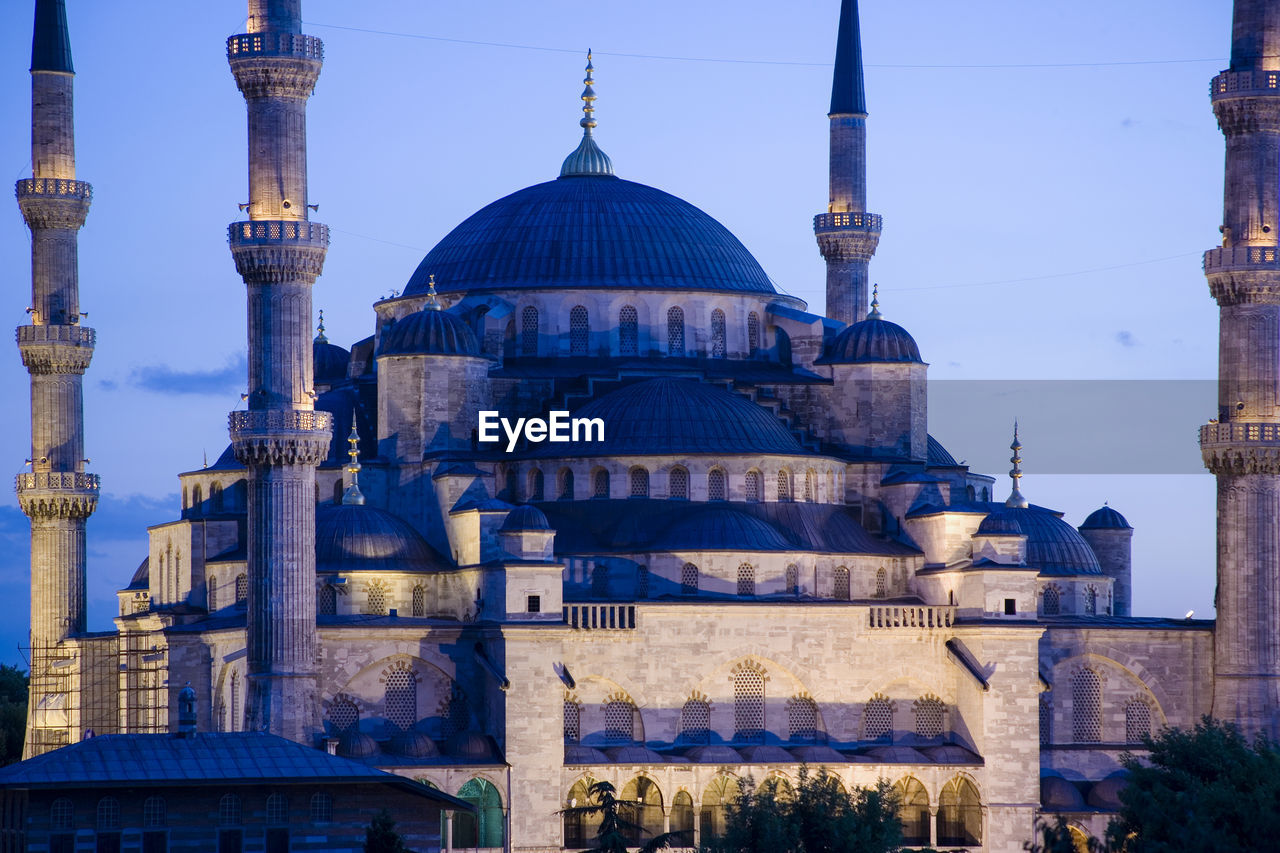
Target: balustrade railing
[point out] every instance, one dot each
(600, 617)
(855, 221)
(910, 616)
(294, 45)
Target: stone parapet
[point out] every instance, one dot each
(281, 437)
(1240, 84)
(58, 494)
(1242, 275)
(1241, 448)
(272, 64)
(56, 349)
(53, 202)
(271, 251)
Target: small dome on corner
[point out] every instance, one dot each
(1105, 518)
(429, 332)
(872, 340)
(525, 517)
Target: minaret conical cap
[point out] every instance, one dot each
(50, 40)
(847, 93)
(587, 158)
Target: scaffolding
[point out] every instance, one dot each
(74, 692)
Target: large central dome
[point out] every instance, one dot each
(590, 231)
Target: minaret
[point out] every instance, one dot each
(281, 438)
(1242, 448)
(847, 234)
(57, 495)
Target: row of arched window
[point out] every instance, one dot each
(379, 599)
(677, 339)
(690, 579)
(678, 485)
(1051, 603)
(240, 589)
(958, 811)
(1086, 717)
(196, 505)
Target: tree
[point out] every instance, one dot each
(1204, 789)
(1055, 837)
(380, 835)
(617, 823)
(13, 713)
(819, 816)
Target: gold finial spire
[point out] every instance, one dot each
(587, 159)
(1015, 496)
(588, 99)
(433, 302)
(320, 338)
(874, 313)
(352, 495)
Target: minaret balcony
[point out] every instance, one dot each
(1241, 447)
(58, 494)
(864, 222)
(1243, 84)
(64, 188)
(292, 45)
(282, 232)
(59, 481)
(54, 202)
(1241, 259)
(281, 436)
(272, 251)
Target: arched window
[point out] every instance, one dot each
(572, 721)
(236, 718)
(841, 586)
(688, 579)
(537, 490)
(792, 580)
(376, 605)
(1091, 601)
(695, 721)
(1046, 722)
(510, 481)
(619, 720)
(913, 811)
(714, 813)
(970, 493)
(215, 497)
(678, 483)
(682, 819)
(882, 583)
(748, 703)
(642, 581)
(566, 484)
(62, 814)
(784, 485)
(717, 334)
(401, 699)
(1137, 721)
(108, 814)
(1086, 707)
(717, 485)
(929, 712)
(342, 713)
(802, 719)
(639, 482)
(419, 600)
(337, 490)
(746, 579)
(753, 333)
(1052, 601)
(484, 828)
(578, 330)
(810, 486)
(648, 810)
(754, 486)
(959, 814)
(579, 828)
(986, 494)
(877, 718)
(212, 593)
(242, 589)
(327, 600)
(277, 810)
(321, 808)
(197, 500)
(529, 331)
(628, 331)
(600, 488)
(675, 331)
(229, 810)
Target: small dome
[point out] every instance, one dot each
(1105, 518)
(429, 332)
(525, 517)
(471, 746)
(1053, 546)
(634, 754)
(766, 754)
(328, 362)
(817, 753)
(872, 340)
(999, 523)
(576, 753)
(1059, 795)
(714, 754)
(413, 744)
(355, 537)
(356, 744)
(142, 577)
(723, 529)
(1105, 795)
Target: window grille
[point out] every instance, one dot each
(793, 579)
(784, 485)
(717, 334)
(929, 712)
(802, 719)
(62, 814)
(753, 333)
(841, 591)
(343, 714)
(1137, 721)
(619, 721)
(572, 721)
(419, 601)
(1052, 601)
(537, 489)
(213, 593)
(154, 812)
(675, 331)
(377, 601)
(679, 483)
(533, 604)
(242, 589)
(529, 331)
(453, 713)
(717, 487)
(695, 721)
(688, 579)
(754, 486)
(321, 808)
(1046, 723)
(1090, 601)
(877, 721)
(277, 810)
(566, 485)
(639, 483)
(748, 703)
(628, 331)
(1086, 707)
(401, 699)
(601, 485)
(746, 579)
(810, 486)
(327, 601)
(578, 330)
(882, 583)
(642, 582)
(229, 810)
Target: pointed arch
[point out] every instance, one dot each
(579, 330)
(913, 811)
(754, 486)
(753, 333)
(718, 348)
(628, 331)
(840, 586)
(960, 813)
(675, 331)
(749, 680)
(717, 485)
(648, 814)
(485, 827)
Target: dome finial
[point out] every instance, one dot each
(352, 495)
(320, 338)
(587, 159)
(874, 313)
(1015, 496)
(433, 303)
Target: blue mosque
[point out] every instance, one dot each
(761, 560)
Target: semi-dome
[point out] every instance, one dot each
(1053, 546)
(1105, 518)
(355, 537)
(525, 517)
(665, 415)
(939, 456)
(592, 231)
(413, 744)
(872, 340)
(723, 529)
(1059, 795)
(429, 332)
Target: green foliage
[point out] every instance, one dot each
(13, 713)
(819, 816)
(617, 822)
(1200, 790)
(1056, 837)
(380, 835)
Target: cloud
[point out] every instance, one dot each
(163, 379)
(1125, 338)
(108, 384)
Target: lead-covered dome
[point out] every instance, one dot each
(1053, 546)
(1105, 518)
(590, 231)
(429, 332)
(872, 340)
(351, 537)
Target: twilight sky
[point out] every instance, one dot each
(1049, 175)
